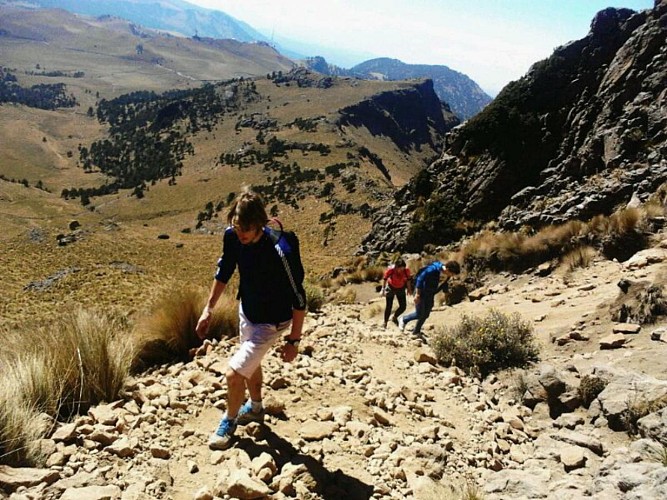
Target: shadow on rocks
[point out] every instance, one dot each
(330, 485)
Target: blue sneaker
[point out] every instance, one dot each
(246, 415)
(223, 437)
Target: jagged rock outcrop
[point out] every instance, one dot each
(580, 134)
(410, 117)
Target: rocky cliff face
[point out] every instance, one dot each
(410, 117)
(579, 135)
(464, 96)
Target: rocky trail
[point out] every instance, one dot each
(366, 412)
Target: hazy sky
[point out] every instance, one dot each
(491, 41)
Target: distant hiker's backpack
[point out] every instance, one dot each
(431, 280)
(412, 283)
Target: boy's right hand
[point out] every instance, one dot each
(203, 323)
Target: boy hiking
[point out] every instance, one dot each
(427, 285)
(273, 305)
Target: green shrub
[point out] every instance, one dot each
(484, 345)
(589, 388)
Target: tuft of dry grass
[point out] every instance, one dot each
(344, 296)
(167, 332)
(625, 221)
(373, 273)
(589, 388)
(652, 303)
(314, 296)
(20, 427)
(579, 257)
(81, 359)
(619, 236)
(467, 490)
(643, 307)
(638, 407)
(658, 453)
(376, 309)
(356, 277)
(519, 386)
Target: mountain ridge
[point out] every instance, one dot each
(459, 91)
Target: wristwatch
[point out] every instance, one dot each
(294, 342)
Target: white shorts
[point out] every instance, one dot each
(256, 340)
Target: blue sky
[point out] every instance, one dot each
(491, 41)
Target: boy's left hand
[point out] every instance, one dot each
(288, 352)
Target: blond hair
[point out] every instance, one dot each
(247, 210)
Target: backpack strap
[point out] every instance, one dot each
(276, 236)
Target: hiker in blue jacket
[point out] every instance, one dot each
(273, 303)
(427, 284)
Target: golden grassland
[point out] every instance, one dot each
(122, 228)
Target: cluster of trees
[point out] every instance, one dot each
(304, 124)
(57, 74)
(291, 184)
(274, 148)
(148, 133)
(42, 96)
(302, 77)
(210, 211)
(38, 185)
(364, 152)
(86, 193)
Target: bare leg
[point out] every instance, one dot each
(235, 392)
(254, 385)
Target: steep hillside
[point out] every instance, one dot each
(579, 135)
(117, 56)
(366, 412)
(457, 90)
(167, 15)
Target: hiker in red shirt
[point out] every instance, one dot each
(396, 280)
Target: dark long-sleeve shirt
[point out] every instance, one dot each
(270, 286)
